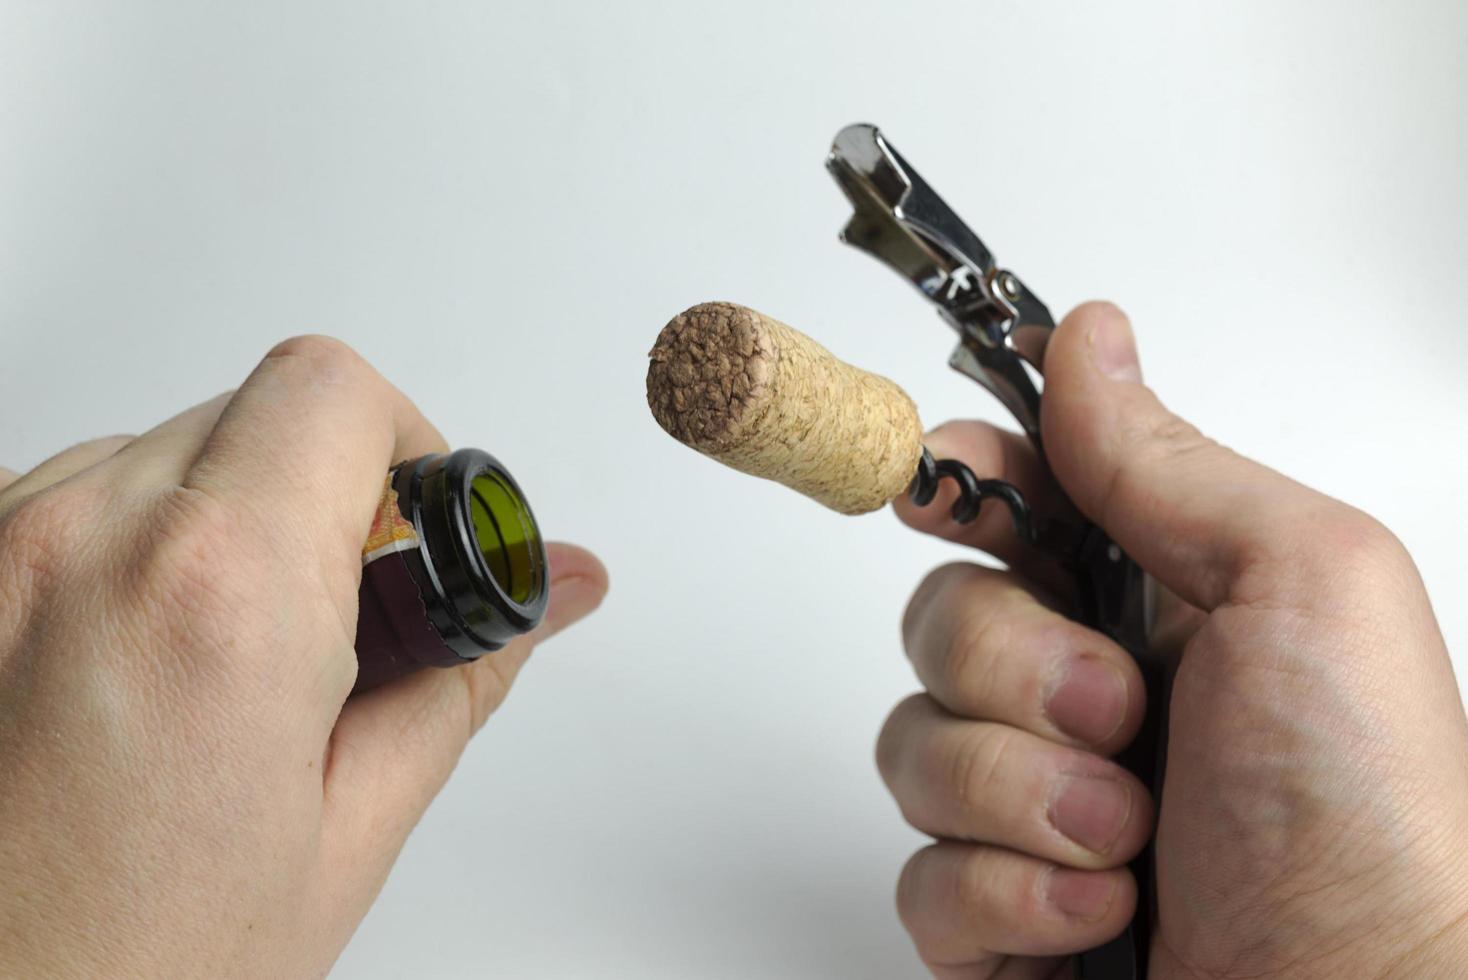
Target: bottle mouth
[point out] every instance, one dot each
(507, 536)
(500, 541)
(483, 573)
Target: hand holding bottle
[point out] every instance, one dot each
(184, 788)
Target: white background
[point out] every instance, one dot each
(501, 204)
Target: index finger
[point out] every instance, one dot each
(304, 445)
(7, 477)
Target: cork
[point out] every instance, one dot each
(762, 397)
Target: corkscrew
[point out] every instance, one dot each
(1003, 329)
(764, 398)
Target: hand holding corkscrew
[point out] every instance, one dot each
(1316, 788)
(764, 398)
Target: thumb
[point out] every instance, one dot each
(394, 746)
(1211, 525)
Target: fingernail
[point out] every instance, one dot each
(1091, 810)
(1080, 894)
(1087, 698)
(1113, 348)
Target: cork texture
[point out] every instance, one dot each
(762, 397)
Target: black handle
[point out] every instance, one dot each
(1116, 599)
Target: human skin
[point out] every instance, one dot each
(1312, 821)
(185, 788)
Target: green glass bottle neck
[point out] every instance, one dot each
(481, 568)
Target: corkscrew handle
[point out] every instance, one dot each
(1116, 599)
(1003, 329)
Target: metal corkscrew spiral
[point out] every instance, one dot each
(972, 492)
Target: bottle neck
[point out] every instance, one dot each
(481, 569)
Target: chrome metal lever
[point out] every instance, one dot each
(900, 220)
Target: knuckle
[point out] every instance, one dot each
(912, 883)
(1362, 540)
(982, 633)
(923, 599)
(892, 740)
(318, 356)
(1150, 427)
(1152, 437)
(972, 888)
(1328, 557)
(195, 576)
(192, 529)
(1171, 437)
(946, 899)
(40, 535)
(975, 764)
(98, 448)
(113, 445)
(1358, 554)
(33, 550)
(108, 443)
